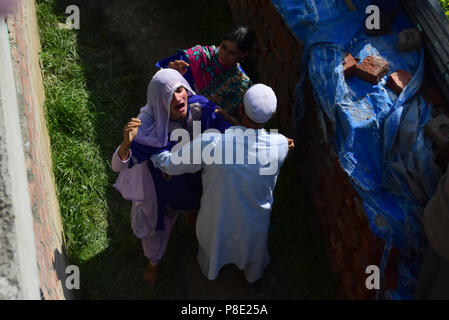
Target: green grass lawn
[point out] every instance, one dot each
(79, 169)
(445, 6)
(95, 80)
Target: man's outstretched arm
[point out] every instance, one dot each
(185, 160)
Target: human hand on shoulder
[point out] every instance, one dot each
(179, 65)
(227, 116)
(291, 143)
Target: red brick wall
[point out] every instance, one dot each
(277, 51)
(24, 41)
(339, 214)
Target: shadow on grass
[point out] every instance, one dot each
(119, 43)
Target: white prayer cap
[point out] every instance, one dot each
(260, 103)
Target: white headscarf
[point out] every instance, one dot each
(155, 115)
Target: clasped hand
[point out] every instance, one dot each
(179, 65)
(129, 133)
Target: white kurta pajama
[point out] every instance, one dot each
(232, 224)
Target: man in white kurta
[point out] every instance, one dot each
(239, 176)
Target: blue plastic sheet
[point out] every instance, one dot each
(378, 135)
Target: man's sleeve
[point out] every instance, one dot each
(185, 160)
(209, 118)
(283, 148)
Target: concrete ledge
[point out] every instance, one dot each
(32, 254)
(18, 265)
(49, 238)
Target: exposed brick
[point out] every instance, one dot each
(353, 225)
(341, 226)
(372, 69)
(359, 265)
(366, 247)
(262, 44)
(351, 237)
(334, 237)
(409, 40)
(324, 222)
(340, 255)
(348, 284)
(375, 248)
(349, 189)
(358, 209)
(349, 65)
(399, 80)
(391, 274)
(438, 130)
(335, 198)
(361, 292)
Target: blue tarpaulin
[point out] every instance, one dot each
(378, 135)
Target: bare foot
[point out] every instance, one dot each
(149, 275)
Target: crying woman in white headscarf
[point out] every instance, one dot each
(157, 198)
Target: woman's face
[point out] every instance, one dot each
(178, 104)
(229, 53)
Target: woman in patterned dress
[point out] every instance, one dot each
(215, 72)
